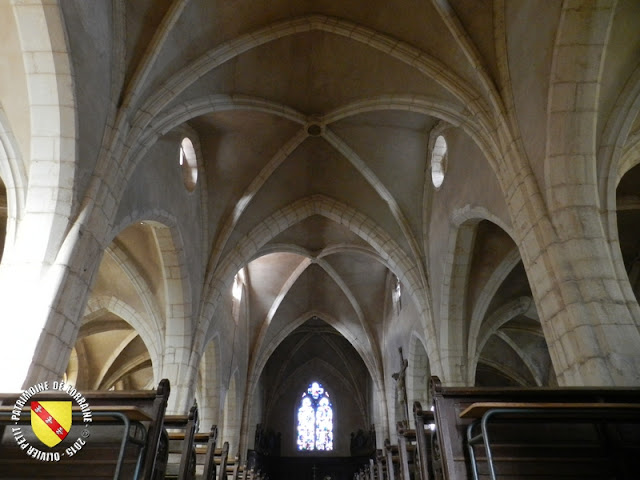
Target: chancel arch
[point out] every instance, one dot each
(316, 352)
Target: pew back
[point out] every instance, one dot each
(181, 441)
(527, 447)
(124, 435)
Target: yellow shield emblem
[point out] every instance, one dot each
(51, 421)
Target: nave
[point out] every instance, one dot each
(298, 212)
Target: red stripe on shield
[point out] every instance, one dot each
(47, 418)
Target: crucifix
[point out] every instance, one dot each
(402, 404)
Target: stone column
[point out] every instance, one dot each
(592, 336)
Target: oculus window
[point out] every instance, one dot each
(315, 420)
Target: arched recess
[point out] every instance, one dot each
(208, 389)
(4, 212)
(511, 348)
(12, 185)
(418, 373)
(511, 342)
(628, 219)
(457, 270)
(501, 375)
(151, 251)
(114, 349)
(267, 351)
(365, 343)
(75, 375)
(258, 239)
(390, 253)
(303, 372)
(619, 148)
(502, 315)
(316, 352)
(488, 292)
(129, 285)
(53, 132)
(487, 283)
(340, 327)
(618, 153)
(101, 308)
(453, 330)
(115, 357)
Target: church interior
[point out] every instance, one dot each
(273, 203)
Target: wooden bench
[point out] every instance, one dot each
(424, 423)
(233, 469)
(205, 453)
(392, 458)
(123, 436)
(381, 465)
(484, 413)
(181, 437)
(220, 459)
(406, 451)
(367, 471)
(547, 433)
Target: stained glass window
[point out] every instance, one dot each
(315, 419)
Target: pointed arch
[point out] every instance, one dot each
(14, 177)
(98, 306)
(52, 113)
(175, 319)
(492, 324)
(388, 250)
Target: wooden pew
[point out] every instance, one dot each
(393, 460)
(424, 423)
(381, 465)
(221, 457)
(181, 442)
(233, 469)
(569, 440)
(366, 472)
(124, 436)
(253, 474)
(372, 469)
(406, 451)
(207, 453)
